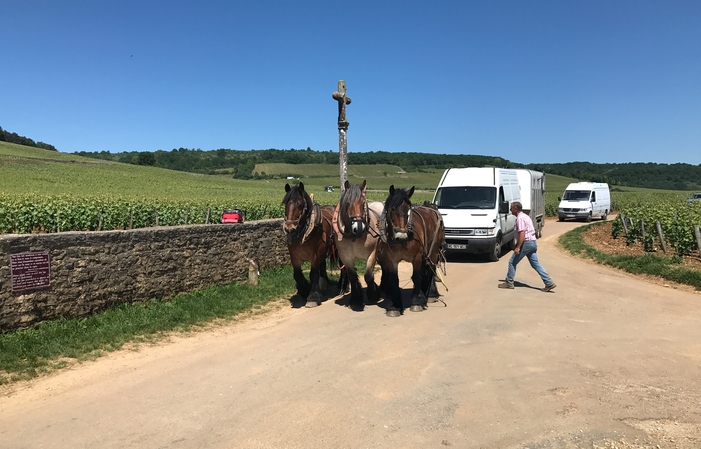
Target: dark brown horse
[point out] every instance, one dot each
(413, 234)
(308, 229)
(356, 237)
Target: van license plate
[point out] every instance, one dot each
(455, 246)
(570, 216)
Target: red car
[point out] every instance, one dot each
(232, 216)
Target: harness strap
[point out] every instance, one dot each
(313, 221)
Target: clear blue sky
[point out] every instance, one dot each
(530, 81)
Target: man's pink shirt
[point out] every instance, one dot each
(524, 223)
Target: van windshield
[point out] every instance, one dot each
(576, 195)
(466, 197)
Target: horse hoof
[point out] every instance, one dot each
(311, 304)
(432, 299)
(357, 307)
(416, 308)
(393, 313)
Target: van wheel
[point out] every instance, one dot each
(539, 230)
(605, 215)
(588, 220)
(496, 251)
(560, 218)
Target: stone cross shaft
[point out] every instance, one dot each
(343, 100)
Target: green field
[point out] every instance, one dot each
(43, 190)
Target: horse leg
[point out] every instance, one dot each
(343, 282)
(373, 291)
(303, 286)
(356, 302)
(314, 298)
(428, 284)
(395, 308)
(323, 277)
(418, 299)
(384, 283)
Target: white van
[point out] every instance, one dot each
(584, 201)
(474, 203)
(532, 184)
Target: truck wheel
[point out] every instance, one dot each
(496, 251)
(606, 213)
(560, 218)
(539, 230)
(588, 219)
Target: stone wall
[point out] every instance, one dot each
(92, 271)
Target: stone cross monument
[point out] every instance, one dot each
(343, 100)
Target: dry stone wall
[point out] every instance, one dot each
(92, 271)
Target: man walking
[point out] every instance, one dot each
(526, 247)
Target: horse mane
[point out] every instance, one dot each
(348, 197)
(398, 197)
(295, 193)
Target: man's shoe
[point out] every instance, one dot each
(506, 285)
(548, 288)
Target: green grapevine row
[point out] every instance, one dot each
(23, 214)
(677, 220)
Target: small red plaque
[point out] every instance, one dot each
(30, 271)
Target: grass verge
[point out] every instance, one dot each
(52, 345)
(666, 267)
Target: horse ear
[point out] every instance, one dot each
(410, 192)
(301, 186)
(346, 185)
(362, 186)
(287, 187)
(391, 189)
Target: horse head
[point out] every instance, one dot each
(353, 210)
(398, 213)
(298, 206)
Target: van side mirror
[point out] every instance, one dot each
(559, 198)
(504, 207)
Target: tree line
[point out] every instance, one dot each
(632, 174)
(6, 136)
(241, 163)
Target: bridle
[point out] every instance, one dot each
(298, 231)
(387, 226)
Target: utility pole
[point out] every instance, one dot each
(343, 100)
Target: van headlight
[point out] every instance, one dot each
(484, 231)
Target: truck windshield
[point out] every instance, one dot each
(576, 195)
(466, 197)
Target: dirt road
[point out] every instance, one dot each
(604, 361)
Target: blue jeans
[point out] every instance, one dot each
(528, 249)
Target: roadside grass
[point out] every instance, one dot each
(52, 345)
(666, 267)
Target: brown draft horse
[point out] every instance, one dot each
(356, 237)
(413, 234)
(308, 229)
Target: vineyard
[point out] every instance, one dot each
(48, 191)
(658, 222)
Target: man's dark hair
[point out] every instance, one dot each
(517, 205)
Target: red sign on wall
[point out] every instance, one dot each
(30, 271)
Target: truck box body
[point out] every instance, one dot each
(532, 184)
(474, 203)
(584, 201)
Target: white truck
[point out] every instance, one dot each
(474, 203)
(532, 184)
(584, 201)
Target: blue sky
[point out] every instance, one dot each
(530, 81)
